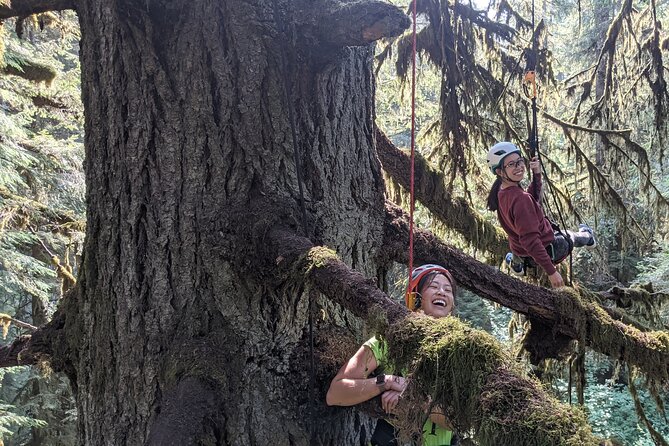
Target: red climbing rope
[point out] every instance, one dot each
(413, 138)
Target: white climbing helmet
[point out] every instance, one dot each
(498, 152)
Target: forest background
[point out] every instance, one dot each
(589, 78)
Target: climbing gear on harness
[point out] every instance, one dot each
(562, 246)
(558, 250)
(498, 152)
(413, 297)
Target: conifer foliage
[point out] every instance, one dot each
(41, 210)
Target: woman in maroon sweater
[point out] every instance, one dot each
(520, 214)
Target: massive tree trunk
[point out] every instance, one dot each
(180, 336)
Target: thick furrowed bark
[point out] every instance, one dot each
(195, 110)
(430, 189)
(572, 313)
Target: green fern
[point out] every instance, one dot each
(9, 419)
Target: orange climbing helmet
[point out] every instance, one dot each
(413, 297)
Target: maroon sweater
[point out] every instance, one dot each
(523, 220)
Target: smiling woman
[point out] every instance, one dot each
(437, 297)
(531, 234)
(367, 374)
(433, 290)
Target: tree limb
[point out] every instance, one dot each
(7, 319)
(430, 189)
(11, 355)
(30, 349)
(358, 23)
(481, 19)
(31, 70)
(572, 313)
(17, 8)
(327, 272)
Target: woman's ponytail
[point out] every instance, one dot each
(493, 201)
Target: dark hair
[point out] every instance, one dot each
(427, 279)
(493, 201)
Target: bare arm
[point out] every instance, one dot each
(351, 385)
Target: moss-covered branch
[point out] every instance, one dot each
(332, 277)
(430, 189)
(17, 8)
(574, 313)
(463, 370)
(480, 388)
(624, 296)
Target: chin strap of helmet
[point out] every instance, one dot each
(506, 177)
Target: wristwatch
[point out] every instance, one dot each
(381, 381)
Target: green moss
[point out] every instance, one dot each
(473, 380)
(581, 309)
(516, 410)
(319, 256)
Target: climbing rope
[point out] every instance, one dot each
(530, 89)
(413, 137)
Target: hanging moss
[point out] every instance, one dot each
(581, 308)
(466, 373)
(638, 407)
(454, 212)
(517, 410)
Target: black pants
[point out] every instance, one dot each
(384, 434)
